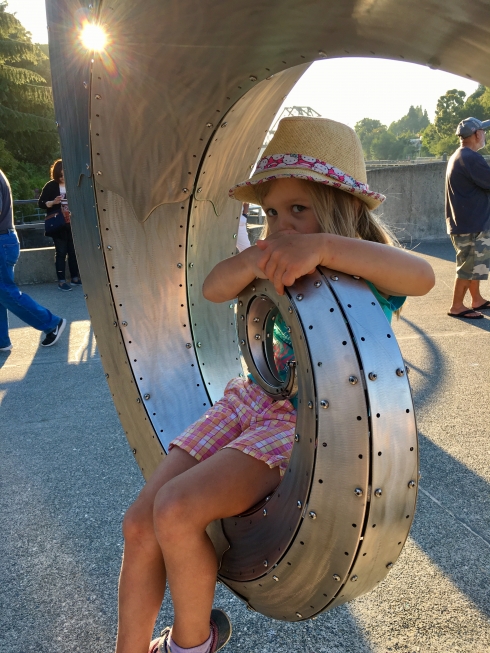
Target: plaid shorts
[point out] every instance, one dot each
(472, 255)
(245, 419)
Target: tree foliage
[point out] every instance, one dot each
(395, 142)
(28, 135)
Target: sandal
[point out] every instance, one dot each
(466, 314)
(220, 634)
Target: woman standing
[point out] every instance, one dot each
(53, 199)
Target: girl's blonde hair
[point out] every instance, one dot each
(338, 213)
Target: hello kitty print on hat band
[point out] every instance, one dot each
(339, 178)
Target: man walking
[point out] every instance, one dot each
(468, 217)
(11, 297)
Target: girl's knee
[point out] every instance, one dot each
(138, 523)
(174, 512)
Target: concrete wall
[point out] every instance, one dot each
(414, 206)
(35, 266)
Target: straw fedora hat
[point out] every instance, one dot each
(315, 149)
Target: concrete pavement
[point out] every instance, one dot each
(67, 475)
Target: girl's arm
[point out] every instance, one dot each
(392, 270)
(227, 279)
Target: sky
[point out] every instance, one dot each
(382, 89)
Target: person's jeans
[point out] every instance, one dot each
(63, 242)
(13, 299)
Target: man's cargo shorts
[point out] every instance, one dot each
(472, 255)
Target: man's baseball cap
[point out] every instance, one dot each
(469, 126)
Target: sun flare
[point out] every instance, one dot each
(93, 37)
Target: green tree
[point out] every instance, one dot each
(26, 106)
(414, 122)
(368, 129)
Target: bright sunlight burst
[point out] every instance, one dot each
(93, 37)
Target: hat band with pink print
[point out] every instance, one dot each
(339, 178)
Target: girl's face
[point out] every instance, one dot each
(288, 207)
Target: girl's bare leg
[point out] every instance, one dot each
(224, 485)
(142, 579)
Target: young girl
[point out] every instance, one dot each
(311, 183)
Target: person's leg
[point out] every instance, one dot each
(142, 579)
(11, 298)
(464, 244)
(60, 240)
(481, 269)
(4, 328)
(72, 257)
(226, 484)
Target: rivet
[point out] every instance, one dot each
(317, 284)
(146, 396)
(299, 615)
(98, 246)
(411, 484)
(256, 319)
(124, 323)
(264, 512)
(99, 173)
(378, 492)
(57, 124)
(98, 97)
(275, 578)
(297, 437)
(334, 277)
(353, 380)
(188, 345)
(310, 404)
(290, 310)
(240, 303)
(353, 578)
(312, 515)
(198, 344)
(109, 247)
(253, 288)
(138, 400)
(209, 125)
(324, 404)
(242, 317)
(185, 190)
(321, 53)
(400, 372)
(288, 329)
(358, 492)
(106, 375)
(199, 190)
(252, 78)
(231, 306)
(114, 324)
(257, 337)
(299, 297)
(234, 236)
(134, 450)
(191, 265)
(354, 276)
(179, 265)
(85, 85)
(372, 376)
(389, 565)
(265, 563)
(336, 577)
(85, 296)
(299, 504)
(224, 125)
(87, 165)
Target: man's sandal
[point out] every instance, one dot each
(220, 634)
(483, 307)
(466, 314)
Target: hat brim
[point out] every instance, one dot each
(245, 190)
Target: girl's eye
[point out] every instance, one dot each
(271, 213)
(297, 208)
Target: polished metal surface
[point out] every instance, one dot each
(170, 116)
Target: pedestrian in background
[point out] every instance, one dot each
(11, 298)
(468, 217)
(53, 200)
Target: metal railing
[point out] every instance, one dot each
(28, 212)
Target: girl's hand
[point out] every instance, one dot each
(286, 256)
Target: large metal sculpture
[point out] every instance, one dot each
(155, 129)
